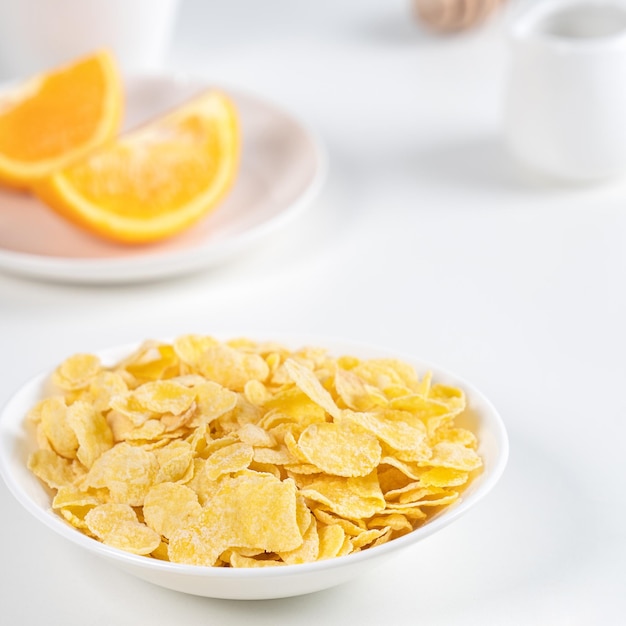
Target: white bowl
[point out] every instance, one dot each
(254, 583)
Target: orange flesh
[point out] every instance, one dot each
(152, 173)
(36, 128)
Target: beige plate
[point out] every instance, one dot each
(282, 169)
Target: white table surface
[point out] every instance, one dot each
(427, 239)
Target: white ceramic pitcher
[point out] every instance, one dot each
(565, 108)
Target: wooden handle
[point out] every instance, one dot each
(453, 15)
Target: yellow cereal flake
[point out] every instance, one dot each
(356, 393)
(434, 413)
(129, 406)
(169, 506)
(117, 525)
(399, 430)
(74, 505)
(351, 498)
(127, 471)
(306, 380)
(151, 362)
(175, 461)
(394, 521)
(76, 372)
(279, 456)
(164, 396)
(54, 470)
(230, 459)
(256, 436)
(248, 454)
(213, 401)
(205, 489)
(443, 477)
(401, 470)
(386, 374)
(231, 368)
(309, 549)
(123, 428)
(190, 348)
(248, 511)
(331, 541)
(455, 456)
(350, 528)
(55, 427)
(341, 449)
(256, 392)
(92, 432)
(102, 387)
(367, 537)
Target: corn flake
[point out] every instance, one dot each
(76, 372)
(341, 449)
(169, 506)
(92, 431)
(117, 525)
(54, 426)
(232, 458)
(248, 511)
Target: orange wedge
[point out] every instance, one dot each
(156, 181)
(54, 118)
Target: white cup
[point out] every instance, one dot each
(39, 34)
(565, 107)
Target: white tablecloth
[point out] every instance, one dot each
(425, 239)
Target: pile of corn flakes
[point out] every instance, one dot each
(247, 454)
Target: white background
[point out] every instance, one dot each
(427, 239)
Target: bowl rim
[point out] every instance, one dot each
(12, 420)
